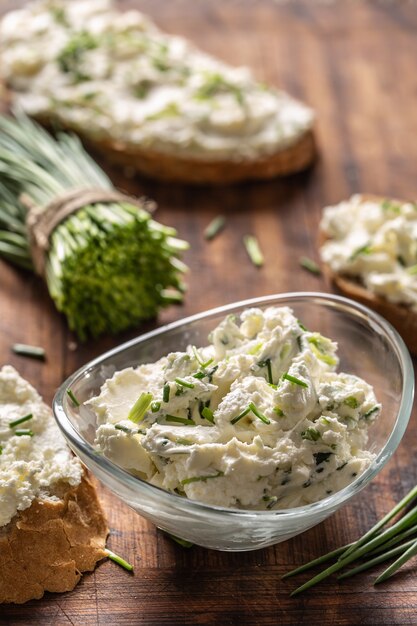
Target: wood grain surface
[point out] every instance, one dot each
(355, 63)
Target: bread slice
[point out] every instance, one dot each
(52, 527)
(47, 546)
(399, 315)
(149, 100)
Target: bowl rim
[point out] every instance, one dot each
(77, 442)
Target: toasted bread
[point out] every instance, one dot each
(399, 315)
(47, 546)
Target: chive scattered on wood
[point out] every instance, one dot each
(253, 249)
(294, 379)
(139, 409)
(33, 352)
(22, 432)
(215, 226)
(310, 265)
(72, 398)
(119, 560)
(21, 420)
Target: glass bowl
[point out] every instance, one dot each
(368, 347)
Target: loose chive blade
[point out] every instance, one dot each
(377, 560)
(215, 226)
(253, 249)
(155, 406)
(184, 383)
(139, 409)
(310, 265)
(33, 352)
(124, 429)
(72, 398)
(408, 554)
(258, 413)
(179, 420)
(166, 392)
(240, 416)
(119, 560)
(318, 561)
(208, 414)
(21, 420)
(1, 449)
(22, 432)
(294, 379)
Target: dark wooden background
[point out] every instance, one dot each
(355, 63)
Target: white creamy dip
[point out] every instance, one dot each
(33, 454)
(115, 76)
(376, 242)
(257, 419)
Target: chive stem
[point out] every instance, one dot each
(214, 227)
(258, 414)
(139, 409)
(253, 249)
(119, 560)
(184, 383)
(293, 379)
(72, 398)
(318, 561)
(166, 392)
(310, 265)
(180, 420)
(379, 559)
(33, 352)
(240, 416)
(21, 420)
(195, 479)
(22, 432)
(408, 554)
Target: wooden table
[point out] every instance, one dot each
(355, 63)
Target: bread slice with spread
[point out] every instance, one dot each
(369, 251)
(51, 525)
(148, 99)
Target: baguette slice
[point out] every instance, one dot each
(47, 546)
(149, 100)
(399, 315)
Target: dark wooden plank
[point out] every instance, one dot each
(355, 63)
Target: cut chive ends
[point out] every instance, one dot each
(373, 548)
(215, 227)
(32, 352)
(253, 249)
(310, 265)
(119, 560)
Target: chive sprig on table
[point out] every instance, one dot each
(373, 548)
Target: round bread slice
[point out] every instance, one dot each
(47, 546)
(399, 315)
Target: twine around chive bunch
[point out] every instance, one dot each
(106, 262)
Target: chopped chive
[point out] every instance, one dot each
(215, 226)
(278, 411)
(118, 559)
(155, 406)
(301, 326)
(208, 414)
(184, 383)
(180, 420)
(252, 248)
(294, 380)
(366, 249)
(184, 442)
(275, 387)
(258, 414)
(370, 412)
(25, 418)
(322, 457)
(166, 392)
(272, 500)
(33, 352)
(182, 542)
(72, 398)
(195, 479)
(126, 430)
(351, 401)
(22, 432)
(267, 363)
(310, 265)
(310, 434)
(199, 375)
(1, 449)
(139, 409)
(240, 416)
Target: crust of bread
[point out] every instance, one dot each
(47, 546)
(399, 315)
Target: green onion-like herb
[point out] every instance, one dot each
(139, 409)
(240, 416)
(182, 542)
(23, 349)
(22, 432)
(1, 449)
(310, 265)
(351, 401)
(125, 429)
(21, 420)
(119, 560)
(258, 414)
(301, 325)
(368, 414)
(254, 251)
(272, 500)
(267, 363)
(311, 434)
(155, 406)
(72, 398)
(215, 226)
(165, 392)
(294, 379)
(319, 349)
(109, 265)
(208, 414)
(196, 479)
(199, 375)
(180, 420)
(322, 457)
(184, 442)
(366, 249)
(278, 411)
(184, 383)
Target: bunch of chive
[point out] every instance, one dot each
(374, 547)
(109, 265)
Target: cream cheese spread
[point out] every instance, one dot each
(374, 241)
(33, 454)
(258, 419)
(116, 77)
